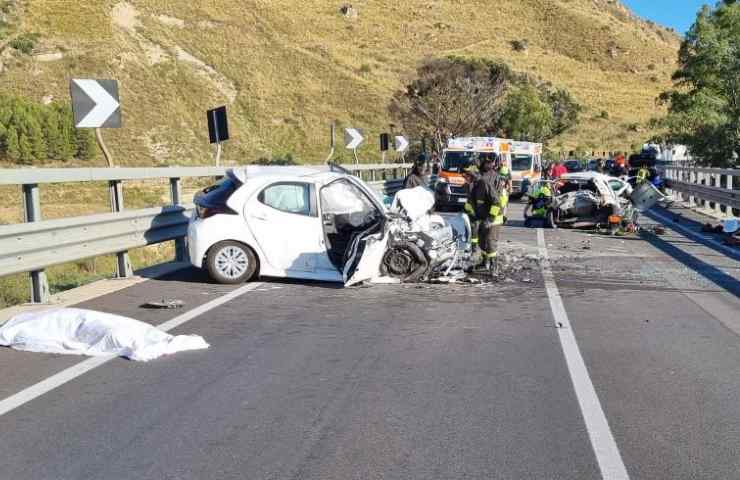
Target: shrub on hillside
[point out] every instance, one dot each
(32, 133)
(24, 43)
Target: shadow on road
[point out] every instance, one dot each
(710, 272)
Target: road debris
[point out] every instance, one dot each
(164, 304)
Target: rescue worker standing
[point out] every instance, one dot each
(471, 175)
(642, 175)
(417, 177)
(488, 203)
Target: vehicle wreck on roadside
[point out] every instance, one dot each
(319, 223)
(594, 200)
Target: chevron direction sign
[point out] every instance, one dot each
(95, 103)
(353, 138)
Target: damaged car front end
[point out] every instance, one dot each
(595, 200)
(422, 244)
(319, 224)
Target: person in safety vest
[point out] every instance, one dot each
(471, 175)
(487, 201)
(540, 200)
(642, 175)
(503, 172)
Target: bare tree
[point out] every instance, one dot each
(451, 97)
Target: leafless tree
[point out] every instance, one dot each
(450, 97)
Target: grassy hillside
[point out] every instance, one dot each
(287, 68)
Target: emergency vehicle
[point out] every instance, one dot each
(462, 153)
(525, 163)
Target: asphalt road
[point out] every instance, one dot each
(310, 381)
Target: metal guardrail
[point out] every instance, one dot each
(722, 196)
(702, 187)
(38, 244)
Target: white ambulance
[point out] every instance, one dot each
(525, 162)
(451, 192)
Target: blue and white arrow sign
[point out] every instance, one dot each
(95, 103)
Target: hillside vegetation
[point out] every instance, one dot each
(286, 68)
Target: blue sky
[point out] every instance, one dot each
(679, 14)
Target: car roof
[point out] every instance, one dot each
(586, 176)
(318, 174)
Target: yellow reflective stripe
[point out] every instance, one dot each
(469, 208)
(492, 255)
(475, 241)
(495, 211)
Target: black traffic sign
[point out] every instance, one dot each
(218, 126)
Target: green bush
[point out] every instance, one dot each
(32, 133)
(24, 43)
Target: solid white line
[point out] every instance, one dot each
(602, 441)
(687, 231)
(45, 386)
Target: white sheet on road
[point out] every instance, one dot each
(76, 331)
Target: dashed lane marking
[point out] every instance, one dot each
(602, 440)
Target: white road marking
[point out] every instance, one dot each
(687, 231)
(45, 386)
(602, 441)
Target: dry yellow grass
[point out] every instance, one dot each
(287, 68)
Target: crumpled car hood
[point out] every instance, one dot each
(410, 220)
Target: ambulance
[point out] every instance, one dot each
(525, 163)
(450, 190)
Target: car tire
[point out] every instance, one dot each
(230, 262)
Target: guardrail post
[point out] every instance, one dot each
(32, 213)
(123, 262)
(730, 186)
(717, 184)
(181, 248)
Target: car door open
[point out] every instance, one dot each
(353, 228)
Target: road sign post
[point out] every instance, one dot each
(400, 144)
(332, 141)
(353, 138)
(218, 129)
(95, 104)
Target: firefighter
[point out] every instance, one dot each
(539, 202)
(417, 177)
(642, 175)
(487, 202)
(471, 175)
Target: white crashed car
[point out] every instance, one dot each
(316, 223)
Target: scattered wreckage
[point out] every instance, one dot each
(591, 199)
(319, 223)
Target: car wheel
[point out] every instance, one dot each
(231, 262)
